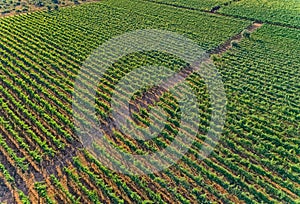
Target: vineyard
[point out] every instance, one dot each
(274, 11)
(257, 159)
(285, 13)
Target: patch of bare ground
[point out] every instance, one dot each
(5, 191)
(34, 8)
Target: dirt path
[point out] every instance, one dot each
(153, 95)
(227, 45)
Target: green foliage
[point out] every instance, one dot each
(49, 7)
(234, 43)
(41, 188)
(272, 11)
(256, 160)
(6, 173)
(24, 199)
(246, 34)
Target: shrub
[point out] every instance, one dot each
(49, 7)
(24, 9)
(215, 57)
(6, 11)
(39, 3)
(246, 34)
(234, 43)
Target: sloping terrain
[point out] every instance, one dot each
(42, 159)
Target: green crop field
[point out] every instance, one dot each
(255, 51)
(282, 12)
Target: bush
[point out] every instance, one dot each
(39, 3)
(215, 57)
(246, 34)
(49, 7)
(234, 43)
(5, 11)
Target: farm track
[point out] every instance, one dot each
(153, 95)
(227, 45)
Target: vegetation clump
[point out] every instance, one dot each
(246, 33)
(234, 43)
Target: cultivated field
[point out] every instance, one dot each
(257, 159)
